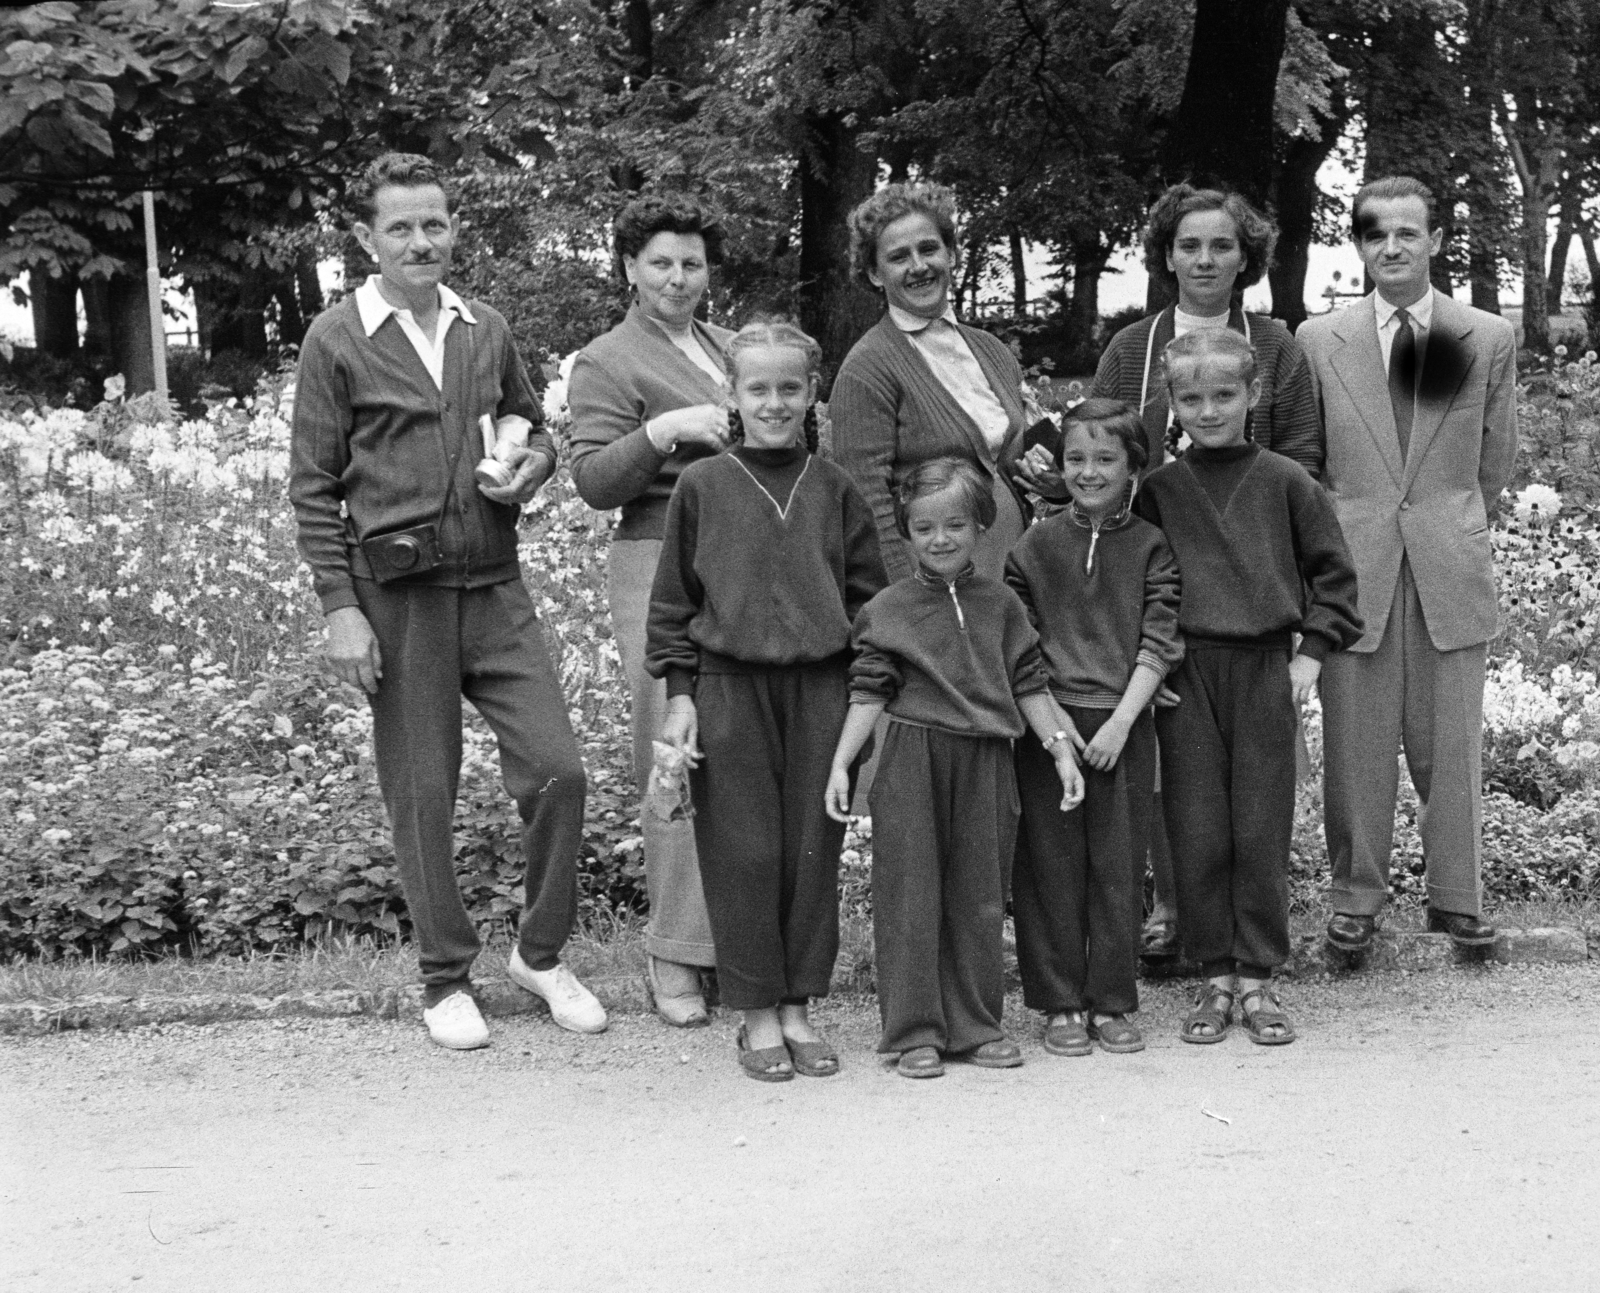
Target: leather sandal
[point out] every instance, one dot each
(1070, 1038)
(813, 1059)
(1206, 1013)
(920, 1062)
(1117, 1035)
(1264, 1017)
(769, 1064)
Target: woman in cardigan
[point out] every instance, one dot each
(646, 399)
(1208, 245)
(918, 384)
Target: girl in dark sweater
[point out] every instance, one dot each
(1101, 586)
(768, 554)
(951, 655)
(1263, 559)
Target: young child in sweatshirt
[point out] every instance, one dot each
(953, 658)
(1263, 559)
(1101, 587)
(769, 552)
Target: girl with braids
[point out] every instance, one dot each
(769, 551)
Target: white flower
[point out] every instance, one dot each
(115, 387)
(1537, 499)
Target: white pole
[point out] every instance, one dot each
(152, 279)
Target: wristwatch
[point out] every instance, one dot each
(1055, 739)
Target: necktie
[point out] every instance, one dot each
(1403, 379)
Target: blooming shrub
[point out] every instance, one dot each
(175, 770)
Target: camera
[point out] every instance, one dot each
(402, 553)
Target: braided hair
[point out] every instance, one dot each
(782, 335)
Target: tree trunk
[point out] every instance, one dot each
(291, 321)
(307, 285)
(1222, 129)
(1019, 274)
(834, 176)
(129, 309)
(97, 315)
(1295, 196)
(1557, 277)
(54, 301)
(1088, 264)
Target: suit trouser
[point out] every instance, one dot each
(944, 829)
(437, 645)
(1227, 786)
(769, 852)
(1405, 695)
(1077, 889)
(679, 928)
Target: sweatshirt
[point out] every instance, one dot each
(1104, 601)
(767, 556)
(1260, 548)
(949, 655)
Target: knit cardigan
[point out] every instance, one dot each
(890, 412)
(619, 381)
(375, 446)
(1285, 420)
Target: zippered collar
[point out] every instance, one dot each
(1116, 521)
(929, 579)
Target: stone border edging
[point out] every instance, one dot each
(499, 997)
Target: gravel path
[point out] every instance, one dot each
(1429, 1132)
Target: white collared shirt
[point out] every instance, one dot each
(374, 309)
(939, 341)
(1420, 312)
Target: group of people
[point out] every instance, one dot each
(1235, 519)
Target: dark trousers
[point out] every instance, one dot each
(1077, 890)
(769, 852)
(439, 644)
(944, 828)
(1227, 784)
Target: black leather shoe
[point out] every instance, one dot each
(1464, 930)
(1351, 933)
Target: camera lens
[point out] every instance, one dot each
(404, 553)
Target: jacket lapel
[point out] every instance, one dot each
(1359, 364)
(660, 345)
(1451, 356)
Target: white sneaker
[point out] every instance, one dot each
(572, 1005)
(456, 1023)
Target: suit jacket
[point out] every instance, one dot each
(1432, 508)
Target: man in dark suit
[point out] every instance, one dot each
(1418, 397)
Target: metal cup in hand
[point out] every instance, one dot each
(491, 473)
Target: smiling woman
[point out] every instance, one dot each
(920, 384)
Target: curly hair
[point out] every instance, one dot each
(644, 217)
(892, 202)
(401, 171)
(783, 335)
(1258, 236)
(1115, 418)
(938, 474)
(1388, 188)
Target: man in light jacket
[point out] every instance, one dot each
(1418, 397)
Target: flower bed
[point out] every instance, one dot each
(176, 771)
